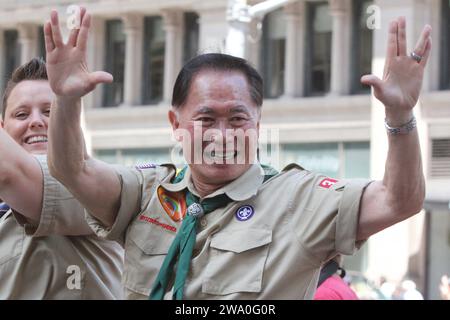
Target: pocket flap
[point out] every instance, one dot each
(150, 239)
(241, 240)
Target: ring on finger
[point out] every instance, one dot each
(416, 57)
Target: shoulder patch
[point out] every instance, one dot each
(145, 166)
(327, 183)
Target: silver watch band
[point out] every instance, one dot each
(403, 129)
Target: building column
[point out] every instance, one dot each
(294, 59)
(212, 28)
(253, 48)
(430, 12)
(173, 53)
(28, 41)
(96, 60)
(340, 47)
(133, 29)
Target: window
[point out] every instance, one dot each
(361, 63)
(321, 157)
(154, 48)
(11, 52)
(114, 63)
(41, 43)
(356, 159)
(273, 53)
(191, 36)
(338, 160)
(131, 157)
(318, 49)
(440, 159)
(445, 55)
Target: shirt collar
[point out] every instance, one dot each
(242, 188)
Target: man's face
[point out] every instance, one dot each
(220, 102)
(27, 114)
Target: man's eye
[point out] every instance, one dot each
(47, 112)
(205, 119)
(238, 120)
(21, 115)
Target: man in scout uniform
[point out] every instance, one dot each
(62, 258)
(228, 229)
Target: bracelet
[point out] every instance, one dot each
(403, 129)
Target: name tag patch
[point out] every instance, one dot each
(156, 222)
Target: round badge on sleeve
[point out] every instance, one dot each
(244, 213)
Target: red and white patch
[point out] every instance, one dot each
(327, 183)
(156, 222)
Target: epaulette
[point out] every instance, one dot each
(293, 166)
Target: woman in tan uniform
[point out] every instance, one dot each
(47, 250)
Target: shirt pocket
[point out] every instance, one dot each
(12, 236)
(237, 261)
(146, 247)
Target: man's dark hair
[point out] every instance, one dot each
(217, 62)
(33, 70)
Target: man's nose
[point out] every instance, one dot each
(226, 133)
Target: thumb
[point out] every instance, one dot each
(100, 77)
(373, 81)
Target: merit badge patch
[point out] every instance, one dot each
(327, 183)
(173, 203)
(244, 213)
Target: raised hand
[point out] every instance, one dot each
(67, 70)
(403, 75)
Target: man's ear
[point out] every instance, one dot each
(173, 119)
(1, 124)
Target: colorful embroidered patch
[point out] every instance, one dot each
(145, 166)
(244, 213)
(327, 183)
(173, 203)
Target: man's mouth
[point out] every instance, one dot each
(36, 139)
(223, 155)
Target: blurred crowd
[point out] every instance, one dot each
(388, 290)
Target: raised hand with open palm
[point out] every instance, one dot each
(67, 69)
(402, 79)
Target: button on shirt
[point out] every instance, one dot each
(268, 243)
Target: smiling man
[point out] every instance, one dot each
(231, 230)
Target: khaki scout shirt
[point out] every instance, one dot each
(269, 243)
(50, 265)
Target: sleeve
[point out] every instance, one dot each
(136, 187)
(325, 215)
(61, 213)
